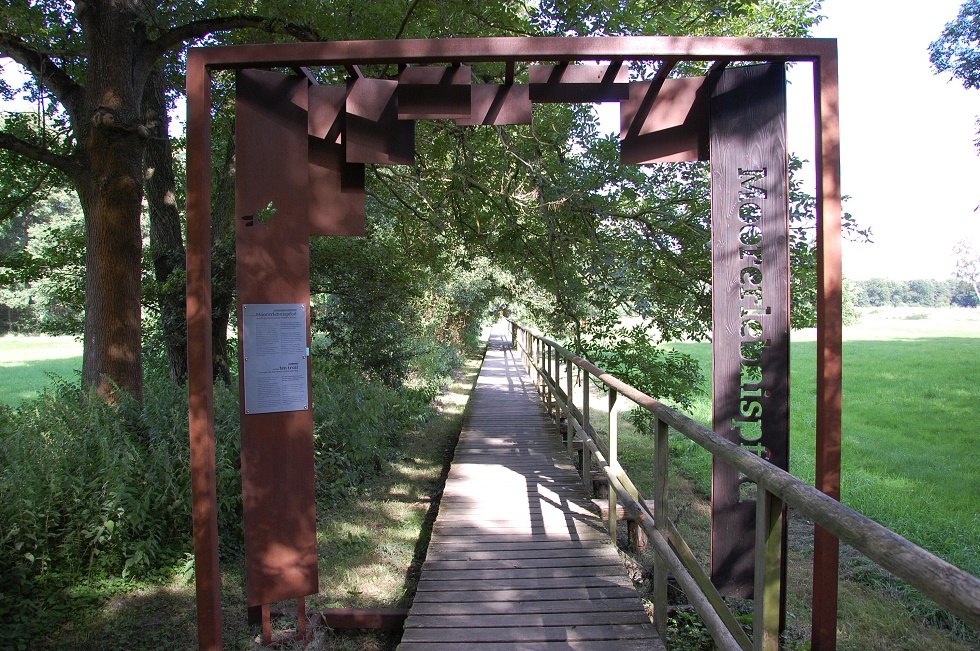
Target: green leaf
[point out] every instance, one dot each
(266, 214)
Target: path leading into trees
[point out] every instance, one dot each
(516, 559)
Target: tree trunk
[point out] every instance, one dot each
(223, 261)
(166, 244)
(111, 143)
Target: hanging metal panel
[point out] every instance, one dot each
(336, 187)
(434, 92)
(665, 123)
(374, 134)
(494, 104)
(578, 83)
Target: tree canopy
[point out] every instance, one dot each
(957, 50)
(546, 214)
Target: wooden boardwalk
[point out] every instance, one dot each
(516, 559)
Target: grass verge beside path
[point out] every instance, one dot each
(370, 544)
(909, 449)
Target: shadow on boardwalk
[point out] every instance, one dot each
(517, 560)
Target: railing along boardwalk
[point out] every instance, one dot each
(517, 560)
(550, 363)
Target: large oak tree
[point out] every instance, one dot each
(100, 63)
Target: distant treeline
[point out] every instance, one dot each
(877, 292)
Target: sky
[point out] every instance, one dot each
(907, 156)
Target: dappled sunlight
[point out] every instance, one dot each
(518, 552)
(368, 545)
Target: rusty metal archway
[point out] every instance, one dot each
(302, 151)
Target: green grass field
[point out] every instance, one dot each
(28, 364)
(910, 456)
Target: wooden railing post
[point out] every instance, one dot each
(660, 520)
(535, 359)
(569, 419)
(558, 412)
(769, 514)
(557, 377)
(586, 452)
(552, 396)
(545, 363)
(527, 350)
(540, 366)
(613, 459)
(513, 335)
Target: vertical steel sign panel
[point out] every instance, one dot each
(750, 301)
(273, 268)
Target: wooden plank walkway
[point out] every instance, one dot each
(516, 560)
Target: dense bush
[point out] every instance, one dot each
(357, 423)
(89, 490)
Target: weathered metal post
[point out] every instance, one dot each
(750, 300)
(660, 518)
(200, 370)
(826, 548)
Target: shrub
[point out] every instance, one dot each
(90, 491)
(630, 355)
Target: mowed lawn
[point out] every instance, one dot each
(911, 441)
(28, 364)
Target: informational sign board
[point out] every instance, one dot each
(275, 354)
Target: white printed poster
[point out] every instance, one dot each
(275, 354)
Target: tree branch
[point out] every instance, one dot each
(24, 197)
(44, 69)
(178, 36)
(408, 16)
(31, 151)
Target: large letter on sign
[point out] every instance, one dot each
(750, 301)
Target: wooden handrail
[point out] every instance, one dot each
(950, 587)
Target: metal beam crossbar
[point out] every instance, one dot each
(507, 104)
